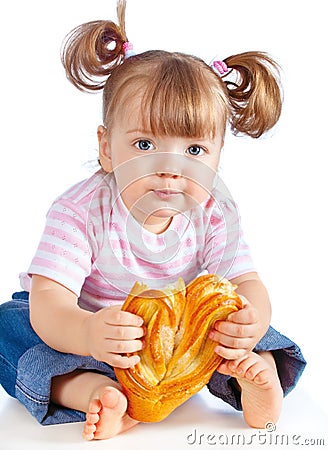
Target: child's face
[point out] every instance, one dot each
(158, 176)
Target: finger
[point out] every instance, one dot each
(124, 333)
(115, 316)
(234, 343)
(235, 329)
(244, 300)
(228, 367)
(224, 368)
(241, 365)
(115, 346)
(229, 353)
(247, 315)
(231, 341)
(121, 361)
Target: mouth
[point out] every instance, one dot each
(166, 193)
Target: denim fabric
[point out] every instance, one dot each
(27, 365)
(36, 368)
(16, 336)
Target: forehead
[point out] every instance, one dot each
(131, 112)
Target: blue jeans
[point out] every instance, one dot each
(27, 365)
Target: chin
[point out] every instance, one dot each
(164, 213)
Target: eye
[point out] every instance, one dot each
(144, 144)
(195, 150)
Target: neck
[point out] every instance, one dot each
(158, 228)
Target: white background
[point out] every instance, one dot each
(48, 134)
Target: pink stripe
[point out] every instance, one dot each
(81, 188)
(93, 186)
(98, 209)
(148, 267)
(67, 238)
(117, 244)
(237, 265)
(86, 304)
(94, 287)
(67, 219)
(42, 266)
(65, 253)
(100, 292)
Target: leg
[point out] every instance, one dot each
(16, 336)
(261, 392)
(99, 397)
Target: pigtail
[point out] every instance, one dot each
(255, 95)
(91, 51)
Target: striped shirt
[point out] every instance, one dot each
(94, 247)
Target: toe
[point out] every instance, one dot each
(88, 437)
(224, 369)
(107, 415)
(89, 432)
(113, 399)
(252, 371)
(94, 406)
(92, 418)
(89, 428)
(263, 378)
(249, 367)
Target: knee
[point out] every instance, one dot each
(16, 333)
(16, 337)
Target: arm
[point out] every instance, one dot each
(64, 326)
(251, 287)
(243, 329)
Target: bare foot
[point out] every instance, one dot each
(107, 415)
(261, 392)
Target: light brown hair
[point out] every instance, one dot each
(181, 95)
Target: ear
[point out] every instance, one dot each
(104, 149)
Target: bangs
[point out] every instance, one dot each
(179, 94)
(180, 100)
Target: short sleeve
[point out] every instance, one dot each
(226, 251)
(64, 253)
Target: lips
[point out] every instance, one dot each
(166, 193)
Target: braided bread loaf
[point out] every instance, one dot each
(178, 357)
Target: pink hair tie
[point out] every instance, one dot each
(220, 67)
(128, 50)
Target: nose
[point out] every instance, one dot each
(168, 175)
(169, 166)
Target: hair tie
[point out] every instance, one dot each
(219, 67)
(128, 50)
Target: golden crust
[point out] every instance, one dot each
(178, 358)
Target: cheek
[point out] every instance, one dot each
(200, 179)
(198, 191)
(130, 190)
(201, 174)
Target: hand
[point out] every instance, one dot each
(239, 333)
(111, 332)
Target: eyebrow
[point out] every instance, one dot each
(149, 132)
(139, 130)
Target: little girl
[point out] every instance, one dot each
(153, 212)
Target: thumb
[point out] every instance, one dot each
(244, 300)
(245, 304)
